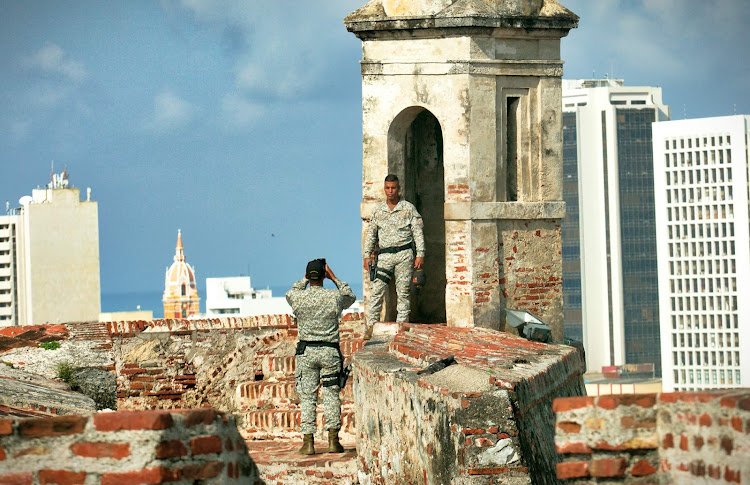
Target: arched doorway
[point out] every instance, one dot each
(415, 154)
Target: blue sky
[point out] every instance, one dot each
(239, 122)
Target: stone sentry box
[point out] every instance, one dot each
(462, 100)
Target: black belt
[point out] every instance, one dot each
(395, 249)
(302, 344)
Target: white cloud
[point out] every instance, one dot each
(170, 112)
(45, 95)
(656, 41)
(52, 59)
(240, 112)
(289, 45)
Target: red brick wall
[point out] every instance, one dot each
(240, 365)
(656, 438)
(125, 447)
(191, 363)
(531, 273)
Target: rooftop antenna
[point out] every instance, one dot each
(735, 108)
(684, 111)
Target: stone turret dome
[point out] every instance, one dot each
(459, 13)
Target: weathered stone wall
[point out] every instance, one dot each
(116, 448)
(490, 77)
(486, 419)
(682, 437)
(240, 365)
(531, 271)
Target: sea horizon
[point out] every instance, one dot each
(151, 300)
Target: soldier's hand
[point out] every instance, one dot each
(329, 274)
(366, 264)
(418, 262)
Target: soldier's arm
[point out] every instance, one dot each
(294, 291)
(346, 295)
(371, 237)
(417, 233)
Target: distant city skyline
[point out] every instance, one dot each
(240, 122)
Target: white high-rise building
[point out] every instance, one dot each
(8, 270)
(49, 258)
(701, 183)
(609, 248)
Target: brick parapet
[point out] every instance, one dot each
(176, 325)
(486, 418)
(678, 437)
(178, 446)
(243, 366)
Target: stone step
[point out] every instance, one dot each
(279, 461)
(250, 392)
(284, 423)
(273, 394)
(275, 365)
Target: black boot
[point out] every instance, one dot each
(333, 442)
(308, 445)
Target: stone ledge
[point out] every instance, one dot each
(472, 211)
(500, 67)
(460, 211)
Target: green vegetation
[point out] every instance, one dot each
(9, 364)
(65, 372)
(51, 345)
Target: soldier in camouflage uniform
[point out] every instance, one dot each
(396, 227)
(319, 360)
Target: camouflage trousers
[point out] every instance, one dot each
(314, 366)
(400, 265)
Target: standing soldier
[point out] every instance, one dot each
(319, 360)
(396, 227)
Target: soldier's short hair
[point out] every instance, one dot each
(392, 178)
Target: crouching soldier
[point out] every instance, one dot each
(319, 359)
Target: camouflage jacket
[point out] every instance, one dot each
(318, 310)
(392, 228)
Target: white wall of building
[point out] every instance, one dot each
(235, 296)
(61, 257)
(701, 183)
(56, 251)
(589, 99)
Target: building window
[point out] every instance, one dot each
(511, 146)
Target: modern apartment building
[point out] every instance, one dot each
(701, 182)
(8, 270)
(49, 257)
(609, 240)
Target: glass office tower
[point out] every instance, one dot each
(610, 232)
